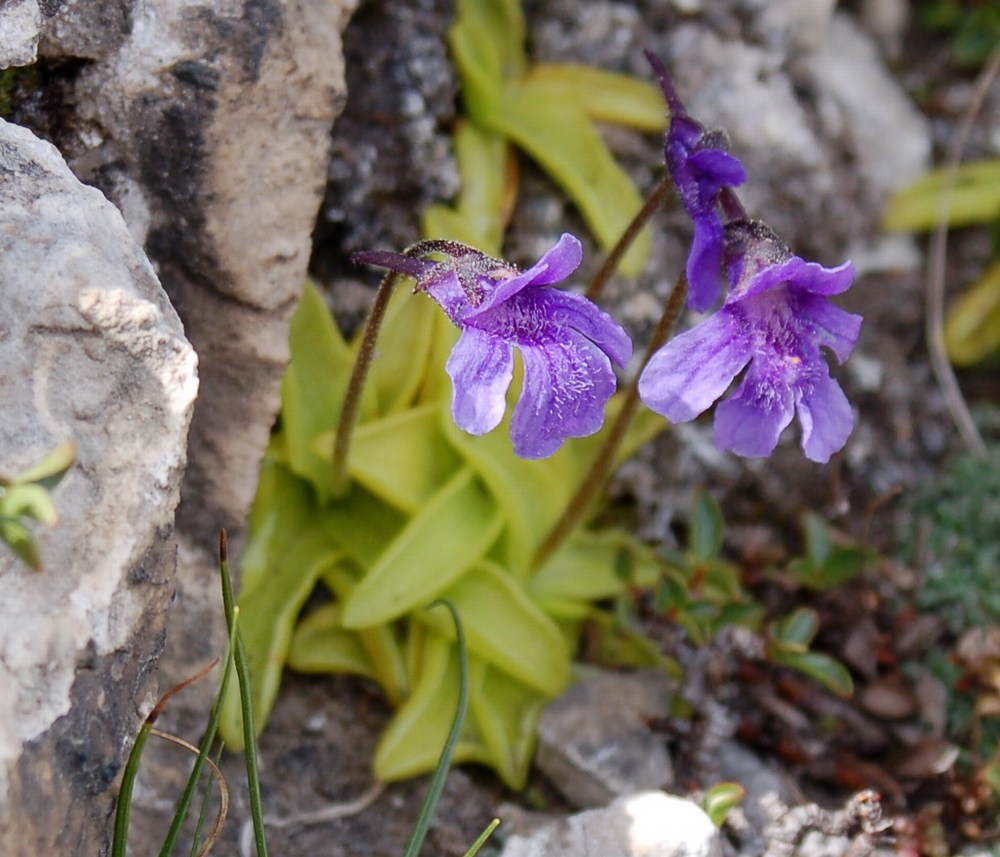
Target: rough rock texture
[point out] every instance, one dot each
(20, 24)
(209, 126)
(648, 824)
(92, 352)
(208, 123)
(593, 741)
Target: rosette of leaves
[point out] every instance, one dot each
(430, 512)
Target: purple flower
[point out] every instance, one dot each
(701, 167)
(567, 344)
(776, 318)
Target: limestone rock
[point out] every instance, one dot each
(888, 135)
(85, 29)
(593, 742)
(648, 824)
(92, 352)
(209, 126)
(20, 26)
(208, 123)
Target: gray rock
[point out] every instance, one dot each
(94, 353)
(886, 20)
(20, 27)
(211, 122)
(85, 29)
(794, 26)
(648, 824)
(863, 104)
(594, 744)
(762, 783)
(208, 123)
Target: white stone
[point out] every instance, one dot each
(647, 824)
(20, 27)
(92, 352)
(892, 139)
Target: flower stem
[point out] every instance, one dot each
(604, 461)
(610, 265)
(352, 398)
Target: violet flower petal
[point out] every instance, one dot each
(566, 386)
(481, 367)
(571, 310)
(692, 370)
(826, 418)
(556, 265)
(807, 277)
(828, 325)
(750, 421)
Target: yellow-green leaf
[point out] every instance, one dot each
(972, 328)
(312, 390)
(602, 95)
(438, 545)
(975, 198)
(487, 43)
(381, 643)
(594, 566)
(567, 146)
(404, 346)
(506, 714)
(403, 459)
(321, 644)
(412, 742)
(267, 617)
(486, 195)
(505, 628)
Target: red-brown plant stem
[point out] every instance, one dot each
(604, 461)
(352, 398)
(610, 264)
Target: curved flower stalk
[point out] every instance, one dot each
(775, 320)
(701, 167)
(567, 344)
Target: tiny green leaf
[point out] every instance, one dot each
(794, 632)
(707, 527)
(822, 668)
(51, 468)
(28, 500)
(720, 799)
(20, 540)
